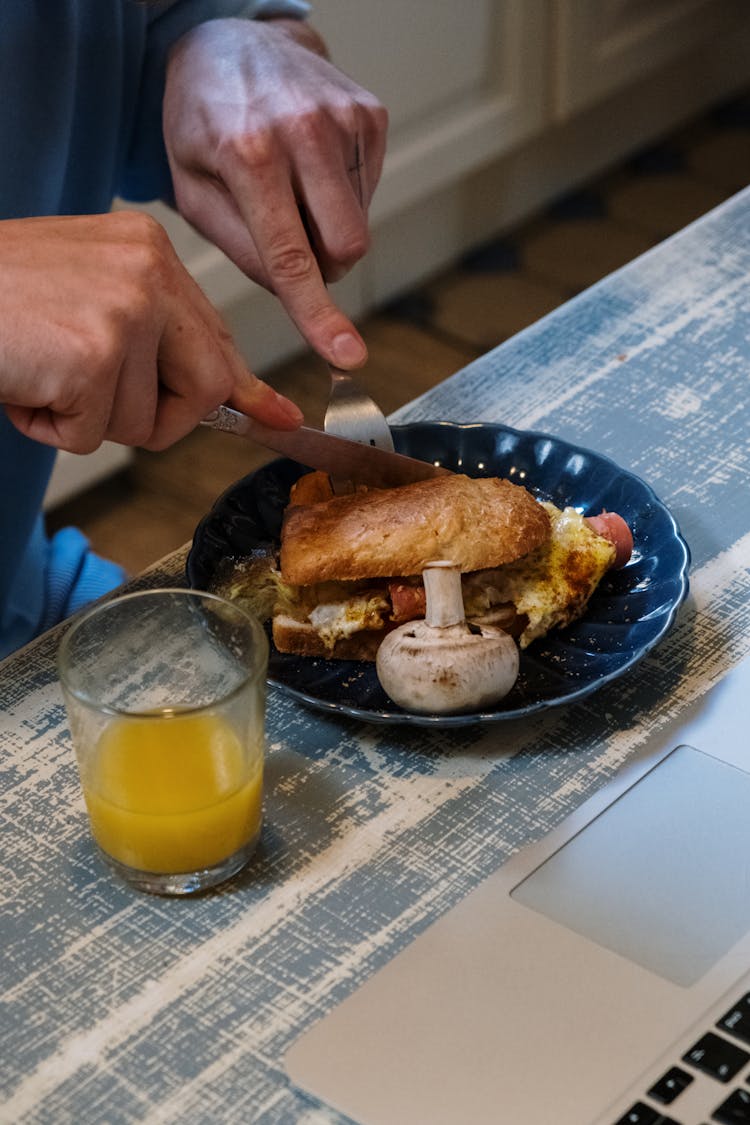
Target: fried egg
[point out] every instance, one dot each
(551, 586)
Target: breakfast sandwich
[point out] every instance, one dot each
(349, 568)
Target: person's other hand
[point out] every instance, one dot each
(275, 155)
(106, 335)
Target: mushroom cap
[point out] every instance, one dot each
(450, 670)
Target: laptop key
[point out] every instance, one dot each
(737, 1019)
(642, 1114)
(716, 1056)
(639, 1114)
(670, 1085)
(735, 1110)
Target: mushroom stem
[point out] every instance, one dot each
(442, 584)
(440, 665)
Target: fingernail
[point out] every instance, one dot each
(348, 351)
(290, 409)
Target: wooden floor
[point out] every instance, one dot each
(430, 333)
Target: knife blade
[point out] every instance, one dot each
(341, 457)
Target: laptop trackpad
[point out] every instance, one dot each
(585, 966)
(661, 876)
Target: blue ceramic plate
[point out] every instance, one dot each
(629, 613)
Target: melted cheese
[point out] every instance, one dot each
(552, 585)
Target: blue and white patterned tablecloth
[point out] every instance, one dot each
(118, 1007)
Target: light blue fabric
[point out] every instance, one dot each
(80, 121)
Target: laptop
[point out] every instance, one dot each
(600, 976)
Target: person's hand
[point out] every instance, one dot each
(274, 156)
(104, 334)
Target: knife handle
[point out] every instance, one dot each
(230, 421)
(235, 422)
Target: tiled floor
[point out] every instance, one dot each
(427, 335)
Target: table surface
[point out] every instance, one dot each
(121, 1007)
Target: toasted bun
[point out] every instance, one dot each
(299, 637)
(476, 523)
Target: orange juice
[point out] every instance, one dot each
(173, 793)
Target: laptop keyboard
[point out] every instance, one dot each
(713, 1057)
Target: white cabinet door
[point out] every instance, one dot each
(463, 82)
(604, 45)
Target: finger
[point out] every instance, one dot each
(34, 422)
(176, 416)
(356, 171)
(372, 134)
(196, 373)
(75, 433)
(335, 178)
(199, 368)
(206, 203)
(66, 410)
(254, 397)
(335, 222)
(269, 209)
(133, 412)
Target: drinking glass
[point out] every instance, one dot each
(165, 694)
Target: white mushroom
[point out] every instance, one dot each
(440, 665)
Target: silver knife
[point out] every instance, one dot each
(341, 457)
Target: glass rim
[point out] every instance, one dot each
(107, 603)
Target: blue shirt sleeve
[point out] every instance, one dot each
(69, 140)
(146, 175)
